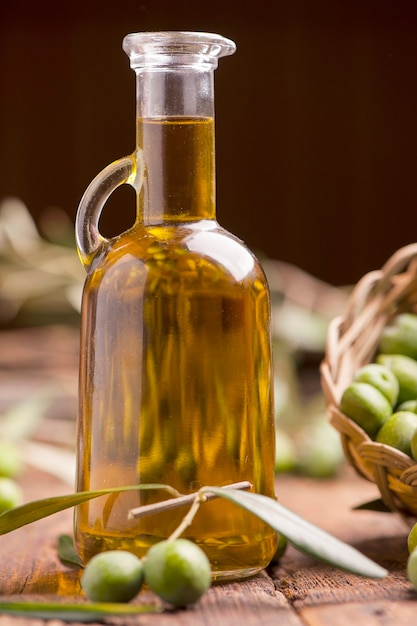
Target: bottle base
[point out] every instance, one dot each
(235, 575)
(231, 559)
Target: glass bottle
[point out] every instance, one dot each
(175, 364)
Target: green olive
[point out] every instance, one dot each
(113, 576)
(178, 571)
(10, 494)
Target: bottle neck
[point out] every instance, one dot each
(175, 135)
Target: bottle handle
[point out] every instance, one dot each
(127, 170)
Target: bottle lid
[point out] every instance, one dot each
(176, 48)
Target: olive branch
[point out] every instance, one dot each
(304, 535)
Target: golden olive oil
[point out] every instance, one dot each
(176, 366)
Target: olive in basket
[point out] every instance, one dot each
(400, 337)
(408, 405)
(366, 405)
(398, 431)
(382, 378)
(405, 370)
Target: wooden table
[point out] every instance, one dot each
(297, 592)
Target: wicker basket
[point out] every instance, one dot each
(352, 341)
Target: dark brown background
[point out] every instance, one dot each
(316, 118)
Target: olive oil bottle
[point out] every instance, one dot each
(175, 364)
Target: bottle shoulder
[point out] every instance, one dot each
(204, 246)
(223, 248)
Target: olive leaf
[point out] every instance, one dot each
(38, 509)
(302, 534)
(373, 505)
(67, 553)
(84, 613)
